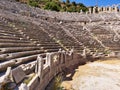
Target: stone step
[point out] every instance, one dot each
(8, 56)
(73, 46)
(49, 44)
(4, 25)
(17, 49)
(2, 45)
(12, 35)
(52, 50)
(8, 32)
(5, 34)
(50, 47)
(29, 68)
(79, 51)
(13, 41)
(17, 61)
(13, 38)
(115, 48)
(46, 43)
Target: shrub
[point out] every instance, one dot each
(33, 3)
(57, 83)
(52, 6)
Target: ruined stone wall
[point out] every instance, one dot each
(49, 65)
(107, 9)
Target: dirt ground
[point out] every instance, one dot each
(98, 75)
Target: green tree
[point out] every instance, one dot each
(74, 3)
(58, 5)
(67, 1)
(52, 6)
(71, 9)
(33, 3)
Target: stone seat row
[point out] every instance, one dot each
(82, 36)
(23, 9)
(57, 27)
(5, 40)
(106, 35)
(60, 34)
(17, 62)
(8, 56)
(15, 51)
(18, 58)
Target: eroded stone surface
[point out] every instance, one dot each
(18, 74)
(99, 75)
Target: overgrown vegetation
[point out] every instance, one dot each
(33, 3)
(6, 86)
(26, 81)
(52, 6)
(57, 83)
(57, 5)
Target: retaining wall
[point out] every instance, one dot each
(49, 65)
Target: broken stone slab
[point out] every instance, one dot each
(17, 61)
(4, 57)
(18, 74)
(23, 86)
(7, 77)
(16, 45)
(6, 80)
(29, 67)
(4, 65)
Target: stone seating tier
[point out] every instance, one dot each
(17, 62)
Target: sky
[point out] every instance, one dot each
(100, 2)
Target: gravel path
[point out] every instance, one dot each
(99, 75)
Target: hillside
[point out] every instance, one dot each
(56, 5)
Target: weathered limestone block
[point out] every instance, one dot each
(3, 56)
(45, 76)
(116, 9)
(104, 9)
(68, 60)
(23, 86)
(18, 74)
(55, 59)
(45, 71)
(25, 59)
(48, 57)
(39, 66)
(63, 57)
(5, 79)
(84, 53)
(110, 9)
(90, 10)
(99, 9)
(28, 68)
(33, 83)
(94, 10)
(4, 65)
(81, 11)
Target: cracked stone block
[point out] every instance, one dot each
(18, 74)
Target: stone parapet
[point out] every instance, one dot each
(51, 64)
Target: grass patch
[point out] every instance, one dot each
(29, 79)
(57, 83)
